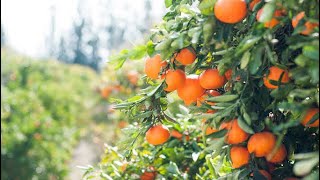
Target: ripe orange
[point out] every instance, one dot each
(239, 156)
(210, 130)
(265, 174)
(157, 135)
(230, 11)
(261, 144)
(176, 134)
(174, 79)
(275, 74)
(187, 137)
(309, 26)
(153, 66)
(37, 136)
(148, 176)
(235, 134)
(124, 165)
(310, 113)
(133, 77)
(211, 79)
(115, 88)
(122, 124)
(186, 56)
(105, 92)
(279, 156)
(191, 90)
(253, 3)
(228, 74)
(274, 21)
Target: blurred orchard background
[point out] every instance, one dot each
(56, 84)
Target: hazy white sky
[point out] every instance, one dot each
(27, 22)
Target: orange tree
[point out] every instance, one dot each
(261, 58)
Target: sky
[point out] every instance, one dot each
(27, 23)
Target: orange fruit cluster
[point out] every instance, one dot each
(234, 11)
(174, 79)
(133, 77)
(239, 156)
(274, 20)
(308, 116)
(308, 26)
(148, 175)
(260, 144)
(157, 135)
(178, 135)
(191, 90)
(186, 56)
(153, 66)
(105, 92)
(230, 11)
(211, 79)
(235, 134)
(275, 74)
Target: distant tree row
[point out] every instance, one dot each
(3, 40)
(84, 43)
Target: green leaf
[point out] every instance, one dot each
(173, 168)
(206, 6)
(135, 98)
(143, 115)
(244, 173)
(187, 9)
(258, 175)
(150, 48)
(290, 106)
(267, 12)
(245, 59)
(304, 167)
(195, 37)
(168, 3)
(218, 134)
(244, 126)
(208, 29)
(155, 90)
(165, 44)
(177, 43)
(256, 61)
(247, 118)
(223, 98)
(211, 167)
(137, 53)
(247, 44)
(215, 145)
(311, 52)
(309, 155)
(312, 176)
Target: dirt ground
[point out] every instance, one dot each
(90, 148)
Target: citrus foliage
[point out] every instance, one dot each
(42, 105)
(263, 62)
